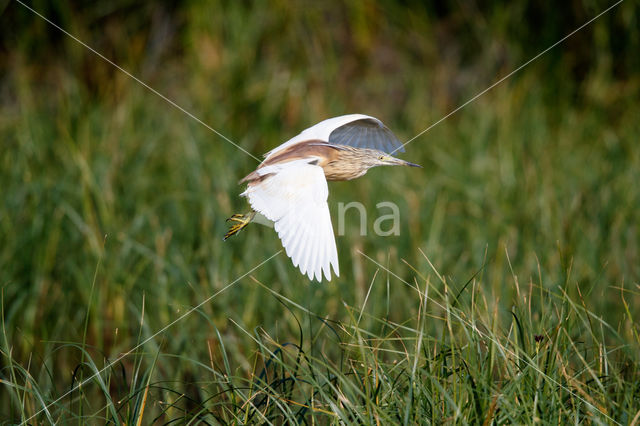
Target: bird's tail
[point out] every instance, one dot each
(241, 220)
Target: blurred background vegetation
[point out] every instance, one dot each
(113, 201)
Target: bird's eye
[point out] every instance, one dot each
(381, 158)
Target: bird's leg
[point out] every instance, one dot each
(242, 221)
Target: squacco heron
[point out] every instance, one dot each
(289, 188)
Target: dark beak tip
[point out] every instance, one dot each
(414, 165)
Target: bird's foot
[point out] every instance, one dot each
(242, 221)
(237, 218)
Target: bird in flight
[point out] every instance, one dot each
(289, 188)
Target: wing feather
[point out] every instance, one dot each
(357, 130)
(305, 247)
(366, 133)
(294, 197)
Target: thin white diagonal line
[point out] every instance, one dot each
(145, 85)
(508, 75)
(494, 340)
(163, 329)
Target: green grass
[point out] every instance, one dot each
(511, 295)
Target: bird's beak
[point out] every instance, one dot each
(393, 161)
(406, 163)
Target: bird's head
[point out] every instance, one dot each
(354, 162)
(381, 158)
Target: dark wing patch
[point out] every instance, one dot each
(366, 133)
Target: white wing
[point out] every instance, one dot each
(357, 130)
(294, 197)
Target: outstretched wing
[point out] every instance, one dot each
(294, 196)
(366, 133)
(357, 130)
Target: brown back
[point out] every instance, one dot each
(311, 148)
